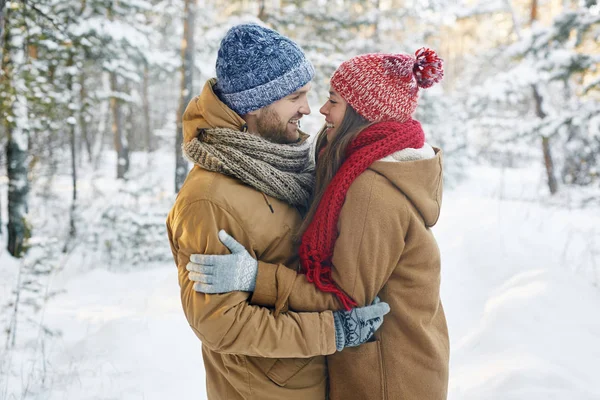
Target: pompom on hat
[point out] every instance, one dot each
(385, 87)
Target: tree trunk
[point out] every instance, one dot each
(548, 162)
(120, 142)
(102, 129)
(72, 133)
(72, 125)
(83, 124)
(18, 190)
(262, 14)
(13, 109)
(539, 111)
(2, 6)
(131, 134)
(187, 68)
(148, 139)
(1, 223)
(534, 11)
(103, 132)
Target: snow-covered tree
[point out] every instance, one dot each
(15, 123)
(546, 96)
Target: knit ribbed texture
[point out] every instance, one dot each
(340, 337)
(373, 143)
(282, 171)
(257, 66)
(385, 87)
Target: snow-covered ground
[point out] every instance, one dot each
(520, 289)
(521, 292)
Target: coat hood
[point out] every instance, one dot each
(208, 111)
(420, 181)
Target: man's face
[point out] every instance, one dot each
(278, 122)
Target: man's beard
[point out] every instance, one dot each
(271, 127)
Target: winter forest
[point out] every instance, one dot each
(91, 98)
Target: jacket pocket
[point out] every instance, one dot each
(297, 373)
(357, 373)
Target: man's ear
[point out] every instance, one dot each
(253, 113)
(251, 118)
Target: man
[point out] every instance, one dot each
(251, 175)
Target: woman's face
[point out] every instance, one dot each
(333, 110)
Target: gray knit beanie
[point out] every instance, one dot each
(257, 66)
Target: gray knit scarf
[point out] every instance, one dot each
(282, 171)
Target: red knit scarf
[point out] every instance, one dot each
(373, 143)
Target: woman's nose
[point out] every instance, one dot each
(323, 110)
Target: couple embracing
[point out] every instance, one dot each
(312, 274)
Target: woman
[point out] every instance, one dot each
(378, 191)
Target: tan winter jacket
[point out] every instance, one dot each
(384, 247)
(249, 352)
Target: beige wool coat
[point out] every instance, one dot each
(385, 247)
(249, 352)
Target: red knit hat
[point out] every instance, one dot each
(385, 87)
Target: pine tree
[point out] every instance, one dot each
(550, 79)
(14, 120)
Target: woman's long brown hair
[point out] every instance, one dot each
(332, 157)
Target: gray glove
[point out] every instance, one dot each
(224, 273)
(355, 327)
